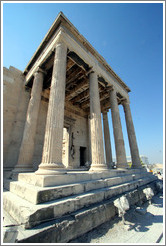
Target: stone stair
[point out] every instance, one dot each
(70, 178)
(36, 195)
(31, 205)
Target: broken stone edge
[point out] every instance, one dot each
(82, 221)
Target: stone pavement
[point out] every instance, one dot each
(143, 226)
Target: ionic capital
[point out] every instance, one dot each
(60, 36)
(125, 101)
(60, 42)
(60, 39)
(89, 71)
(112, 91)
(39, 70)
(92, 71)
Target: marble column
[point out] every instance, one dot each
(117, 129)
(136, 163)
(27, 145)
(89, 141)
(108, 149)
(97, 147)
(52, 150)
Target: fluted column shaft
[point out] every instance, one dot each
(131, 136)
(27, 145)
(52, 150)
(97, 147)
(108, 150)
(117, 129)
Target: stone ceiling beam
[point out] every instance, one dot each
(81, 96)
(102, 95)
(105, 73)
(75, 74)
(70, 64)
(81, 85)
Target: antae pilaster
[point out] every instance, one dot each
(52, 150)
(108, 150)
(27, 145)
(117, 129)
(131, 136)
(97, 147)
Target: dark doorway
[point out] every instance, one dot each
(82, 156)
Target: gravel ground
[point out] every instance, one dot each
(142, 225)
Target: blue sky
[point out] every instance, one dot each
(130, 38)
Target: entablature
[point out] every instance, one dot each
(81, 60)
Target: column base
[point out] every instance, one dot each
(122, 166)
(51, 169)
(110, 165)
(98, 168)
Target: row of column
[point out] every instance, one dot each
(52, 150)
(118, 135)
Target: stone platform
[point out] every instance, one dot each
(35, 199)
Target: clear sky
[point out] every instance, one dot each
(130, 38)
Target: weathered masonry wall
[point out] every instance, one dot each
(78, 135)
(15, 103)
(78, 131)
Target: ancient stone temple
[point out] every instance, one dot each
(54, 158)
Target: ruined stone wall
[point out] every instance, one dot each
(15, 103)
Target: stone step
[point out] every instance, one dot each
(36, 194)
(73, 177)
(84, 220)
(31, 215)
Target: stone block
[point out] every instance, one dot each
(94, 185)
(65, 199)
(40, 195)
(70, 177)
(27, 192)
(66, 228)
